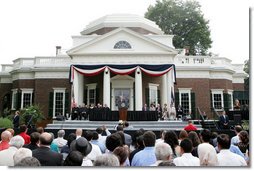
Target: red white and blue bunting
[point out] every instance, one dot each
(151, 70)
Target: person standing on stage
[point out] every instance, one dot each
(165, 112)
(159, 110)
(16, 119)
(172, 111)
(179, 111)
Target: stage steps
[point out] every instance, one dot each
(136, 125)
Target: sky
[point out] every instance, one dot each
(32, 28)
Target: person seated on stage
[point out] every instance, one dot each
(172, 112)
(179, 111)
(145, 108)
(237, 105)
(152, 107)
(190, 126)
(82, 112)
(159, 110)
(204, 116)
(74, 114)
(165, 112)
(224, 120)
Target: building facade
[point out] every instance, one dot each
(202, 82)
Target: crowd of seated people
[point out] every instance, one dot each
(100, 147)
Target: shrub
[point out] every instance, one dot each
(5, 123)
(33, 111)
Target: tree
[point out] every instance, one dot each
(185, 20)
(247, 70)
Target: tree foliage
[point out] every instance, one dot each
(185, 20)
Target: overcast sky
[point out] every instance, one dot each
(34, 27)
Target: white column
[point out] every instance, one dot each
(80, 89)
(169, 84)
(138, 90)
(106, 87)
(164, 97)
(76, 86)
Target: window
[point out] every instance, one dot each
(59, 101)
(185, 99)
(153, 96)
(91, 93)
(122, 45)
(14, 99)
(217, 99)
(230, 99)
(26, 98)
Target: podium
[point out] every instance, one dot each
(123, 113)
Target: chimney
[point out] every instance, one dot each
(58, 50)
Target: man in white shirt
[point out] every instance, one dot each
(235, 140)
(60, 141)
(226, 157)
(186, 159)
(102, 138)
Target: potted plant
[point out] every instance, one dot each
(31, 115)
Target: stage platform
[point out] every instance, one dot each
(134, 125)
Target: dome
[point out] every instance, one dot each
(110, 22)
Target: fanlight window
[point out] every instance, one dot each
(122, 45)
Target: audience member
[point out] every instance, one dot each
(235, 140)
(11, 131)
(23, 133)
(28, 162)
(97, 142)
(5, 137)
(20, 154)
(225, 156)
(82, 145)
(114, 140)
(109, 160)
(193, 136)
(34, 141)
(102, 138)
(172, 140)
(186, 159)
(53, 145)
(96, 151)
(127, 137)
(6, 155)
(182, 135)
(206, 152)
(44, 154)
(149, 151)
(60, 141)
(79, 133)
(190, 126)
(134, 137)
(40, 130)
(244, 141)
(163, 152)
(162, 135)
(213, 140)
(138, 146)
(122, 154)
(74, 158)
(166, 163)
(66, 149)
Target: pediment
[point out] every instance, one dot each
(105, 44)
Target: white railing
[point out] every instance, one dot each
(23, 63)
(52, 61)
(192, 60)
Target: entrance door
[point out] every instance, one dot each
(122, 96)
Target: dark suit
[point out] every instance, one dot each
(48, 157)
(223, 121)
(16, 121)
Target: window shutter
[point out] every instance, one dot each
(50, 107)
(211, 100)
(176, 99)
(67, 105)
(147, 96)
(33, 98)
(97, 100)
(18, 100)
(159, 96)
(85, 97)
(225, 98)
(193, 105)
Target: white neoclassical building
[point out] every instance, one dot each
(121, 55)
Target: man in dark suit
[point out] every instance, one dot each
(16, 120)
(224, 121)
(44, 154)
